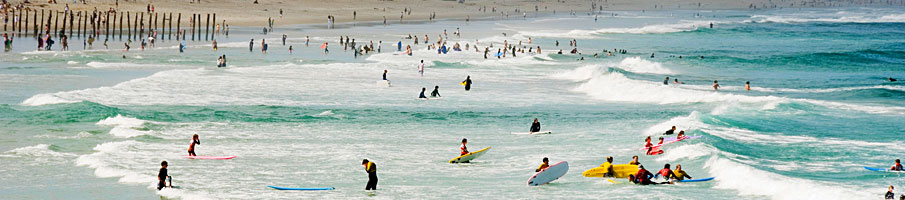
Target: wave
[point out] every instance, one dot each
(751, 181)
(39, 150)
(46, 99)
(124, 127)
(890, 18)
(681, 26)
(630, 64)
(102, 161)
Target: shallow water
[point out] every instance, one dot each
(818, 111)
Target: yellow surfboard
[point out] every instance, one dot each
(463, 83)
(620, 171)
(470, 156)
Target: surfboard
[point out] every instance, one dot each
(211, 157)
(620, 170)
(470, 156)
(660, 145)
(696, 180)
(882, 170)
(534, 133)
(550, 174)
(655, 151)
(283, 188)
(670, 139)
(383, 83)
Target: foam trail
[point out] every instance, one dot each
(39, 150)
(751, 181)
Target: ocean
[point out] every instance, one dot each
(96, 123)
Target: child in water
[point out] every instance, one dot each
(195, 141)
(543, 166)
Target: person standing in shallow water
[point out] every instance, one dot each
(467, 83)
(716, 86)
(371, 169)
(162, 176)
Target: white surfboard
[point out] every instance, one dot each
(534, 133)
(550, 174)
(383, 83)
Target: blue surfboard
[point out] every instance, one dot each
(882, 170)
(283, 188)
(696, 180)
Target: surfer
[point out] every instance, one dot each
(535, 127)
(661, 141)
(666, 82)
(467, 83)
(897, 167)
(892, 79)
(195, 141)
(609, 170)
(544, 165)
(421, 96)
(681, 135)
(436, 92)
(716, 86)
(748, 85)
(680, 174)
(371, 168)
(666, 173)
(162, 175)
(670, 131)
(641, 177)
(634, 161)
(463, 147)
(385, 75)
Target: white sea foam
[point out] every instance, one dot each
(748, 180)
(596, 33)
(46, 99)
(124, 126)
(889, 18)
(686, 152)
(39, 150)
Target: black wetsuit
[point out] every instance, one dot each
(467, 84)
(669, 132)
(372, 176)
(535, 127)
(384, 76)
(421, 96)
(890, 195)
(163, 178)
(435, 93)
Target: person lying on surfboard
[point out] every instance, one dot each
(195, 141)
(535, 127)
(661, 141)
(666, 173)
(544, 165)
(643, 176)
(463, 147)
(680, 174)
(897, 167)
(681, 135)
(670, 131)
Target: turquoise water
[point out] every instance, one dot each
(91, 124)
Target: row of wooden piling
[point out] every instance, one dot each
(91, 24)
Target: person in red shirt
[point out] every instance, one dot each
(897, 167)
(666, 173)
(463, 148)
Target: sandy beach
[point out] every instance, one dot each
(247, 13)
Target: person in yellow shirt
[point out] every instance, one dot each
(544, 165)
(634, 161)
(680, 174)
(371, 168)
(609, 167)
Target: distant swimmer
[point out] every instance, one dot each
(535, 127)
(716, 85)
(634, 161)
(666, 82)
(680, 174)
(162, 175)
(676, 81)
(421, 96)
(421, 68)
(897, 166)
(651, 55)
(467, 83)
(748, 85)
(892, 79)
(544, 165)
(436, 92)
(371, 168)
(463, 147)
(195, 141)
(670, 131)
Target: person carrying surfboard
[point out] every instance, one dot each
(535, 127)
(195, 141)
(463, 147)
(371, 168)
(897, 166)
(467, 83)
(162, 175)
(609, 170)
(544, 165)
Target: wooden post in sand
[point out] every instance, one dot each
(129, 24)
(79, 23)
(214, 27)
(56, 21)
(135, 25)
(156, 28)
(107, 26)
(179, 27)
(142, 25)
(63, 28)
(170, 36)
(207, 27)
(71, 24)
(121, 26)
(193, 26)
